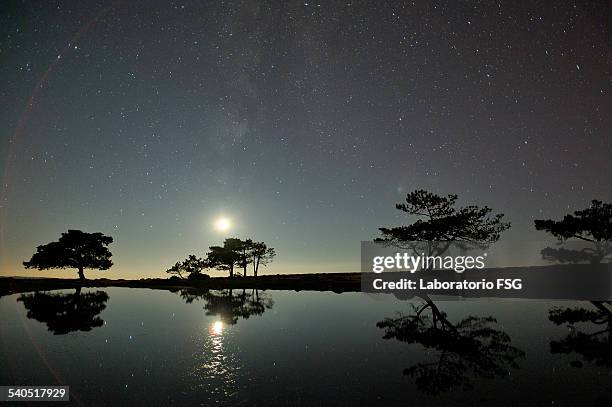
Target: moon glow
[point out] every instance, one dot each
(223, 224)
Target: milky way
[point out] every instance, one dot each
(303, 122)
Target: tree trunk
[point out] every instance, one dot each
(81, 275)
(244, 262)
(601, 305)
(76, 299)
(231, 271)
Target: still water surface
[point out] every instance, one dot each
(121, 346)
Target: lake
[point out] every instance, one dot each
(155, 347)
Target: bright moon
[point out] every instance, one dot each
(222, 224)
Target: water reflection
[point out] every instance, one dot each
(218, 365)
(474, 347)
(185, 357)
(65, 313)
(590, 333)
(230, 305)
(216, 328)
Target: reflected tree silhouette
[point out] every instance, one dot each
(472, 348)
(564, 255)
(590, 333)
(228, 305)
(65, 313)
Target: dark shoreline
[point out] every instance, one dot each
(336, 282)
(574, 282)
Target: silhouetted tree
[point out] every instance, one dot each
(74, 249)
(568, 256)
(243, 247)
(594, 345)
(223, 304)
(441, 221)
(593, 225)
(191, 264)
(256, 303)
(225, 257)
(227, 305)
(64, 313)
(238, 253)
(262, 255)
(472, 346)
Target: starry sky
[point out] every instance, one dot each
(302, 122)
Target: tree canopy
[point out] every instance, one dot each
(228, 305)
(261, 255)
(470, 349)
(191, 264)
(74, 249)
(65, 313)
(592, 225)
(569, 256)
(590, 333)
(235, 253)
(440, 220)
(225, 257)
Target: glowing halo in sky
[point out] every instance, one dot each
(223, 224)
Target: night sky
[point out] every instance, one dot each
(302, 122)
